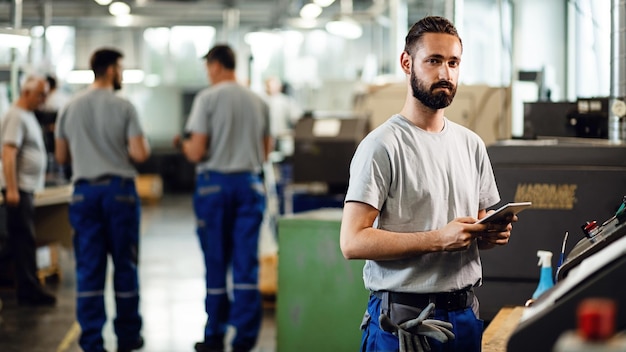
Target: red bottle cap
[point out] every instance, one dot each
(596, 318)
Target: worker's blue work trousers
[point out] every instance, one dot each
(465, 326)
(229, 210)
(105, 218)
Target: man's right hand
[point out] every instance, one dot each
(459, 234)
(12, 198)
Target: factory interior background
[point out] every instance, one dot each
(539, 80)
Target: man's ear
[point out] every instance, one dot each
(405, 62)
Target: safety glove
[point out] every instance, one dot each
(413, 334)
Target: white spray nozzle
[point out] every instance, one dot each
(545, 258)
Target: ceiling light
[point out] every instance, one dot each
(14, 38)
(263, 39)
(133, 76)
(104, 2)
(304, 23)
(87, 77)
(310, 11)
(323, 3)
(119, 9)
(345, 27)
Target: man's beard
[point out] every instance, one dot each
(426, 96)
(117, 83)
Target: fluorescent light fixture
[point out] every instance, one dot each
(104, 2)
(323, 3)
(132, 76)
(304, 23)
(14, 38)
(119, 8)
(80, 77)
(310, 10)
(263, 39)
(345, 27)
(86, 76)
(123, 20)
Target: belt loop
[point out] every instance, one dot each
(385, 304)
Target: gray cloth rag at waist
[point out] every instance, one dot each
(450, 301)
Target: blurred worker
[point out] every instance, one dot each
(284, 113)
(228, 137)
(24, 165)
(418, 183)
(100, 133)
(47, 116)
(57, 98)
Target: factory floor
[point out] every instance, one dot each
(172, 293)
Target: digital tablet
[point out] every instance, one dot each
(500, 215)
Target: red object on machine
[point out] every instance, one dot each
(596, 319)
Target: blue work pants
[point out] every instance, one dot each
(105, 216)
(465, 326)
(229, 210)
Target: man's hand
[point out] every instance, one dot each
(12, 198)
(459, 234)
(496, 234)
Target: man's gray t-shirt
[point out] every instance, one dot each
(420, 181)
(236, 120)
(97, 125)
(20, 128)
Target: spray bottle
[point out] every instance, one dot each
(545, 278)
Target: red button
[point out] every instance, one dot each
(596, 319)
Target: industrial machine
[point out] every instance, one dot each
(597, 238)
(584, 118)
(594, 268)
(568, 181)
(324, 148)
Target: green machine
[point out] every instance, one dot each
(321, 298)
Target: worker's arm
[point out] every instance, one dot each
(194, 146)
(9, 168)
(61, 151)
(138, 148)
(360, 240)
(268, 146)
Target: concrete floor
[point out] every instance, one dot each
(172, 293)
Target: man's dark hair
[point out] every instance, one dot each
(101, 60)
(223, 54)
(52, 82)
(430, 24)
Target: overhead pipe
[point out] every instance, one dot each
(398, 13)
(618, 71)
(16, 12)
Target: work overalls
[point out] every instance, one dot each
(229, 208)
(105, 215)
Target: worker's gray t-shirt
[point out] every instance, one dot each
(420, 181)
(20, 128)
(236, 120)
(97, 125)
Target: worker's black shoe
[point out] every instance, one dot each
(134, 346)
(241, 349)
(204, 347)
(40, 297)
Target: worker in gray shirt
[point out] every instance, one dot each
(228, 138)
(24, 166)
(100, 133)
